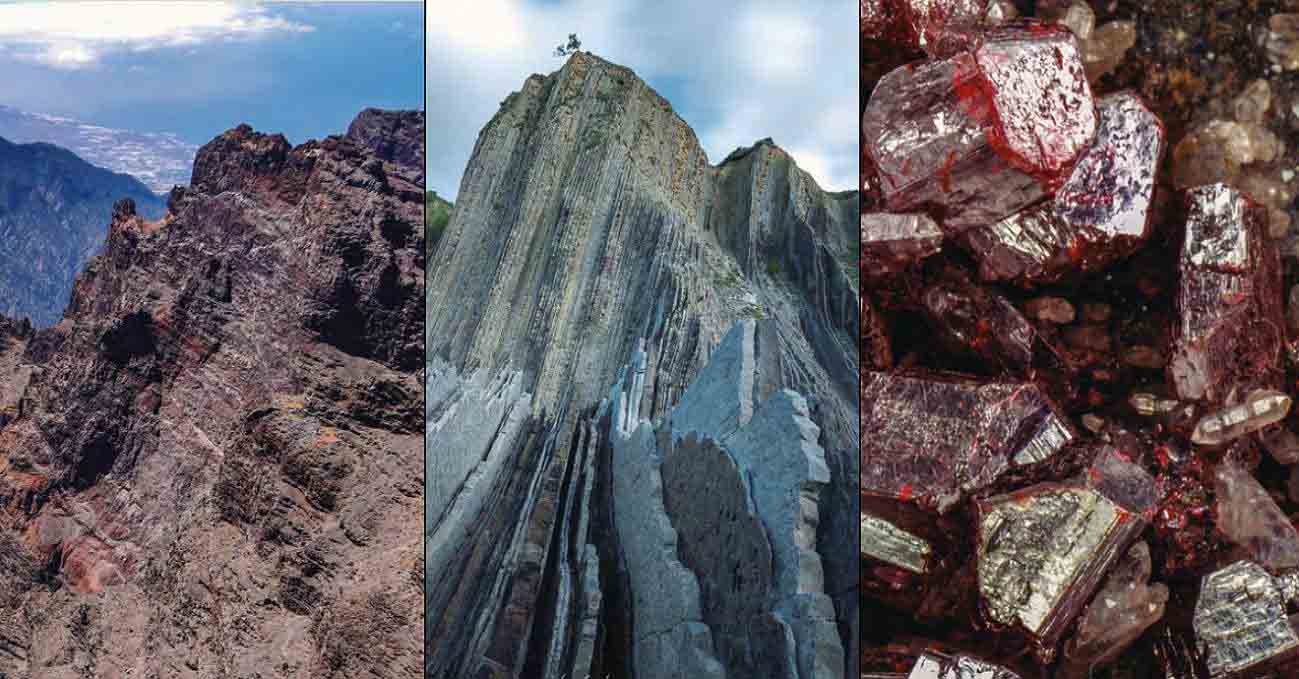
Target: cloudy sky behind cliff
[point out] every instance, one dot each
(735, 71)
(199, 68)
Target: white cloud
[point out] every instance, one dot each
(77, 35)
(736, 71)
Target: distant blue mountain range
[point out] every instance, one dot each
(55, 210)
(158, 160)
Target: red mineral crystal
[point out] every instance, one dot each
(932, 438)
(892, 242)
(980, 135)
(939, 27)
(1229, 334)
(1100, 214)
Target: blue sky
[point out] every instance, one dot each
(735, 70)
(197, 69)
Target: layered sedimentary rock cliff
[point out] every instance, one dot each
(214, 465)
(592, 245)
(53, 208)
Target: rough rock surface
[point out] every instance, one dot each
(588, 218)
(764, 602)
(218, 452)
(53, 208)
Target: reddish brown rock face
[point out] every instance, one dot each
(227, 425)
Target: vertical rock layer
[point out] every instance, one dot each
(589, 225)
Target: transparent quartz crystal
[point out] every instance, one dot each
(1249, 517)
(1261, 408)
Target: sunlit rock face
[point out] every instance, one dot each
(590, 225)
(217, 453)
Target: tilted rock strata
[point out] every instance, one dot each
(587, 218)
(776, 618)
(222, 439)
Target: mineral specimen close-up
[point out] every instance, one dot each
(931, 439)
(1079, 455)
(1229, 332)
(984, 133)
(1101, 213)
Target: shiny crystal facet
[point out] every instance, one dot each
(1240, 620)
(1230, 327)
(1040, 97)
(1101, 213)
(890, 242)
(1261, 408)
(932, 665)
(939, 27)
(932, 439)
(1043, 550)
(886, 542)
(1248, 516)
(979, 136)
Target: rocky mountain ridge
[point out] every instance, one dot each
(592, 244)
(213, 463)
(53, 210)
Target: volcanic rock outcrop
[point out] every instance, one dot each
(213, 466)
(53, 208)
(571, 534)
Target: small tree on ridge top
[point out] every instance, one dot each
(572, 47)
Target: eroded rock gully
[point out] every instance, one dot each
(642, 400)
(209, 467)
